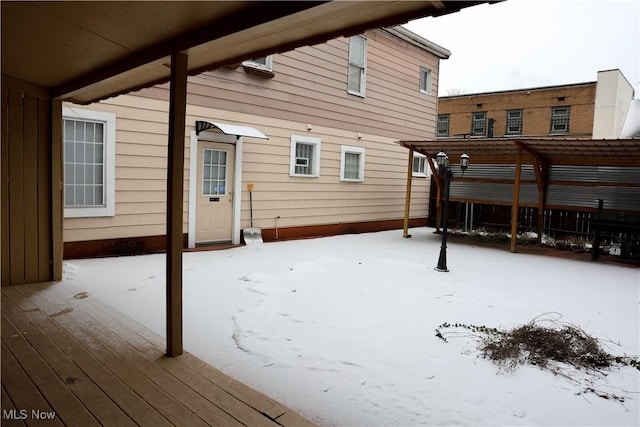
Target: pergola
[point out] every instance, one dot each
(541, 153)
(87, 51)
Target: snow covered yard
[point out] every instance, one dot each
(342, 329)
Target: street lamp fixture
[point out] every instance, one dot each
(444, 169)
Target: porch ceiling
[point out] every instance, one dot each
(552, 151)
(87, 51)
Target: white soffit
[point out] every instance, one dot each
(228, 129)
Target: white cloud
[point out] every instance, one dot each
(525, 43)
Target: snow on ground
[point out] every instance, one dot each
(341, 329)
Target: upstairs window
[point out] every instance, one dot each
(351, 163)
(260, 66)
(425, 80)
(443, 125)
(305, 156)
(560, 120)
(479, 123)
(357, 65)
(514, 122)
(89, 162)
(264, 63)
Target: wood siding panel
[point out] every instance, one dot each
(4, 169)
(30, 189)
(27, 233)
(16, 189)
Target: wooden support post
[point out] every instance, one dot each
(516, 201)
(57, 183)
(175, 196)
(407, 197)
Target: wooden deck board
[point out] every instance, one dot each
(21, 389)
(119, 362)
(94, 398)
(112, 370)
(7, 405)
(54, 390)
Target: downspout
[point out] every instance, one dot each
(237, 192)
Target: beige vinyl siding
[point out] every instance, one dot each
(309, 87)
(310, 83)
(141, 169)
(302, 201)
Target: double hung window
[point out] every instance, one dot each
(443, 125)
(479, 123)
(425, 80)
(560, 119)
(357, 65)
(514, 122)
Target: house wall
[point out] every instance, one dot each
(536, 104)
(612, 102)
(307, 96)
(310, 84)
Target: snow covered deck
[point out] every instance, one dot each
(68, 359)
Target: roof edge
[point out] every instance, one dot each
(496, 92)
(418, 41)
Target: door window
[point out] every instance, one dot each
(214, 176)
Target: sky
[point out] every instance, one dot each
(342, 329)
(520, 44)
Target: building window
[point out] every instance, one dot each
(419, 167)
(425, 80)
(214, 172)
(357, 65)
(305, 156)
(514, 122)
(260, 66)
(560, 119)
(479, 123)
(443, 125)
(89, 162)
(264, 63)
(351, 163)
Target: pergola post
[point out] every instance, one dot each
(175, 196)
(516, 201)
(407, 197)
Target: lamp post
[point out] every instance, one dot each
(444, 169)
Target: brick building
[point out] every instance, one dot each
(583, 110)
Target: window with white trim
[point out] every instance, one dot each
(305, 156)
(419, 168)
(263, 63)
(425, 80)
(560, 119)
(351, 163)
(89, 139)
(356, 78)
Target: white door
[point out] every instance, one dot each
(214, 205)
